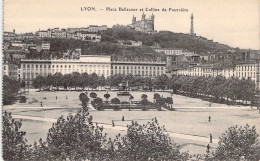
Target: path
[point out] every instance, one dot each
(124, 128)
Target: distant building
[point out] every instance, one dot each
(258, 77)
(246, 70)
(99, 64)
(10, 70)
(143, 69)
(45, 33)
(129, 43)
(92, 33)
(9, 35)
(242, 70)
(169, 51)
(144, 25)
(46, 45)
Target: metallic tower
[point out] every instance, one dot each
(191, 25)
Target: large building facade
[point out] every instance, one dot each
(99, 64)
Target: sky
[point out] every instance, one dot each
(232, 22)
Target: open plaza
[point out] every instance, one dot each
(188, 125)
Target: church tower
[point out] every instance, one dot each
(152, 18)
(133, 20)
(191, 25)
(143, 16)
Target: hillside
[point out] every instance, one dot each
(166, 39)
(108, 46)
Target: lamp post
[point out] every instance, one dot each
(28, 84)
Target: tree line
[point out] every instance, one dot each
(217, 89)
(93, 81)
(77, 137)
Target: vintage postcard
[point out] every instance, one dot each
(138, 80)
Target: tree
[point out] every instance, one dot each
(49, 81)
(238, 142)
(161, 82)
(169, 101)
(144, 102)
(67, 81)
(10, 90)
(77, 80)
(84, 99)
(156, 96)
(102, 81)
(145, 142)
(38, 82)
(93, 80)
(13, 141)
(75, 138)
(144, 96)
(107, 95)
(115, 101)
(98, 103)
(57, 78)
(160, 101)
(84, 80)
(93, 95)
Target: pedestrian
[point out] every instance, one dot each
(113, 124)
(56, 97)
(209, 104)
(41, 104)
(210, 138)
(209, 118)
(208, 147)
(66, 97)
(123, 118)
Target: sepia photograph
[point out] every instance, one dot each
(140, 80)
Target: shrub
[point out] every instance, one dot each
(23, 99)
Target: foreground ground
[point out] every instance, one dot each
(188, 125)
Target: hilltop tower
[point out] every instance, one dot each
(191, 25)
(133, 20)
(143, 17)
(152, 18)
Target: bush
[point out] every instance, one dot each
(116, 108)
(23, 99)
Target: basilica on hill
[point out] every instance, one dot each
(144, 25)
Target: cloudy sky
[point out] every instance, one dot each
(232, 22)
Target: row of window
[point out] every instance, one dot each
(136, 67)
(246, 68)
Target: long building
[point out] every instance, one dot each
(99, 64)
(30, 69)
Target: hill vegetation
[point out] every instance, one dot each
(166, 39)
